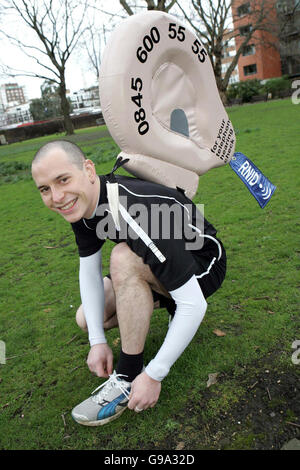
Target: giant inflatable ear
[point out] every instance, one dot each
(161, 104)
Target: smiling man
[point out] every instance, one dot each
(66, 180)
(143, 268)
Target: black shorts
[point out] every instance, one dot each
(210, 274)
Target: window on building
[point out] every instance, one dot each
(244, 30)
(244, 9)
(250, 69)
(248, 50)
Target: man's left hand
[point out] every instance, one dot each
(144, 392)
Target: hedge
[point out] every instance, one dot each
(54, 126)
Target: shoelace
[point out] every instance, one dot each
(113, 381)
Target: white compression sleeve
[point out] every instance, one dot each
(190, 310)
(92, 296)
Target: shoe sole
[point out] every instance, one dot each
(100, 422)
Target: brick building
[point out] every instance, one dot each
(12, 94)
(260, 58)
(14, 108)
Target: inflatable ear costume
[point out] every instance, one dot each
(162, 107)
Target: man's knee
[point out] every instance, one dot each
(127, 267)
(123, 263)
(120, 255)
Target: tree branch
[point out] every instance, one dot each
(11, 72)
(126, 7)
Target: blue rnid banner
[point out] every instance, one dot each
(257, 183)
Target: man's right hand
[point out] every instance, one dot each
(100, 360)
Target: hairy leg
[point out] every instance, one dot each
(133, 282)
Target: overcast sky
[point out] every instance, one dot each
(76, 77)
(78, 74)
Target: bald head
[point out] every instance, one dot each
(73, 152)
(67, 181)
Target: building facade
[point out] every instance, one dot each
(260, 58)
(289, 34)
(16, 115)
(85, 99)
(14, 106)
(12, 94)
(2, 108)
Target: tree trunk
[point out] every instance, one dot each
(65, 107)
(220, 82)
(223, 97)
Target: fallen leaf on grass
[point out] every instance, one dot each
(180, 445)
(236, 307)
(219, 332)
(116, 341)
(212, 379)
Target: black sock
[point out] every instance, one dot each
(130, 365)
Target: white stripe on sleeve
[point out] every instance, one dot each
(190, 310)
(92, 296)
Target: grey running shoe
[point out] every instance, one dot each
(104, 405)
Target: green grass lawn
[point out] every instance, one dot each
(257, 308)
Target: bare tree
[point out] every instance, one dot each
(93, 40)
(161, 5)
(91, 45)
(213, 19)
(57, 26)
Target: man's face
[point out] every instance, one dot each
(64, 187)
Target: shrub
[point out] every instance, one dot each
(11, 168)
(245, 90)
(276, 85)
(13, 171)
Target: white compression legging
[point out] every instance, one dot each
(190, 310)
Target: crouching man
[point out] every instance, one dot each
(146, 266)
